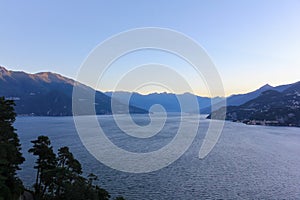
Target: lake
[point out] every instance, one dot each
(248, 162)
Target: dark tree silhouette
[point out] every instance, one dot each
(69, 182)
(60, 177)
(67, 171)
(45, 165)
(57, 177)
(10, 156)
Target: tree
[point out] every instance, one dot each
(11, 157)
(69, 182)
(68, 170)
(59, 177)
(45, 165)
(67, 160)
(56, 178)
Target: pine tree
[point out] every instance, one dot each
(61, 177)
(45, 165)
(67, 172)
(11, 186)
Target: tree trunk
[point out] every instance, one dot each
(37, 181)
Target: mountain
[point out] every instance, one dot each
(50, 94)
(239, 99)
(171, 104)
(272, 107)
(169, 101)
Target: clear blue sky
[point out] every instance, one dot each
(251, 42)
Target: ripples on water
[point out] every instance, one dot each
(249, 162)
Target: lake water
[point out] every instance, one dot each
(248, 162)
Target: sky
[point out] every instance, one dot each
(251, 42)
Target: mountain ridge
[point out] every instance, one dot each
(272, 107)
(170, 102)
(50, 94)
(59, 88)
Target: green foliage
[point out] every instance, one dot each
(59, 177)
(68, 171)
(45, 165)
(10, 156)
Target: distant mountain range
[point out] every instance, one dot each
(49, 94)
(239, 99)
(170, 102)
(278, 106)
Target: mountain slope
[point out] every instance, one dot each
(49, 94)
(270, 108)
(239, 99)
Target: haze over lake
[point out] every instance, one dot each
(248, 162)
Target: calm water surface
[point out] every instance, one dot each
(249, 162)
